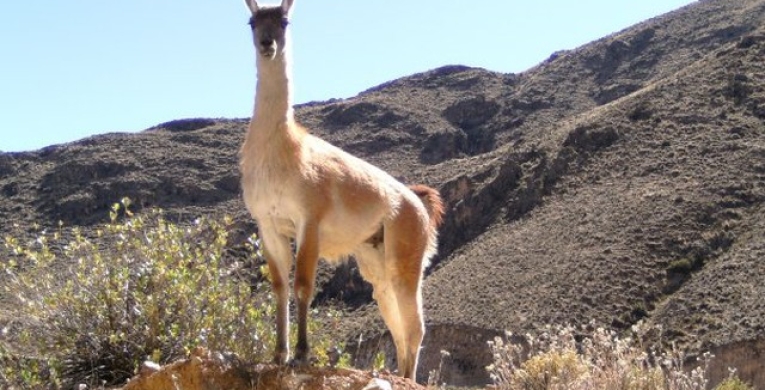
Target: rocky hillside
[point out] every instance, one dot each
(617, 182)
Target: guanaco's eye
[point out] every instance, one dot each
(252, 22)
(285, 23)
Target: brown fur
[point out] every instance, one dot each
(432, 200)
(332, 204)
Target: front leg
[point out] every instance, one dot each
(278, 254)
(305, 278)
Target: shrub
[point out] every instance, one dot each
(601, 360)
(733, 383)
(140, 288)
(682, 266)
(19, 372)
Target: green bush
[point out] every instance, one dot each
(139, 288)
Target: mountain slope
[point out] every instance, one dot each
(657, 217)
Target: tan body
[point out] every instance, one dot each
(332, 204)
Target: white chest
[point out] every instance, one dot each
(267, 198)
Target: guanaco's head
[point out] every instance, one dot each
(269, 26)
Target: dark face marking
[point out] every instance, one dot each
(268, 27)
(284, 23)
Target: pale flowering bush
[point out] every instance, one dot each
(555, 360)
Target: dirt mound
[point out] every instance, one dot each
(204, 370)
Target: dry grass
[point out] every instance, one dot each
(563, 359)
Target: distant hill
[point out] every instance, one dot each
(617, 182)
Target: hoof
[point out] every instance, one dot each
(280, 358)
(302, 361)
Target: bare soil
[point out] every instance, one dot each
(204, 370)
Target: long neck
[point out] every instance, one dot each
(273, 94)
(272, 135)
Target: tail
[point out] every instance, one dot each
(432, 201)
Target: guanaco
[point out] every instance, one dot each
(332, 204)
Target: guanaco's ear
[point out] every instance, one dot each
(252, 5)
(286, 6)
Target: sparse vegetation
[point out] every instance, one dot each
(733, 383)
(142, 288)
(601, 360)
(434, 376)
(93, 312)
(683, 266)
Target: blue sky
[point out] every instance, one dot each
(70, 69)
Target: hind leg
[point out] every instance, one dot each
(388, 305)
(371, 264)
(396, 275)
(400, 301)
(409, 301)
(406, 241)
